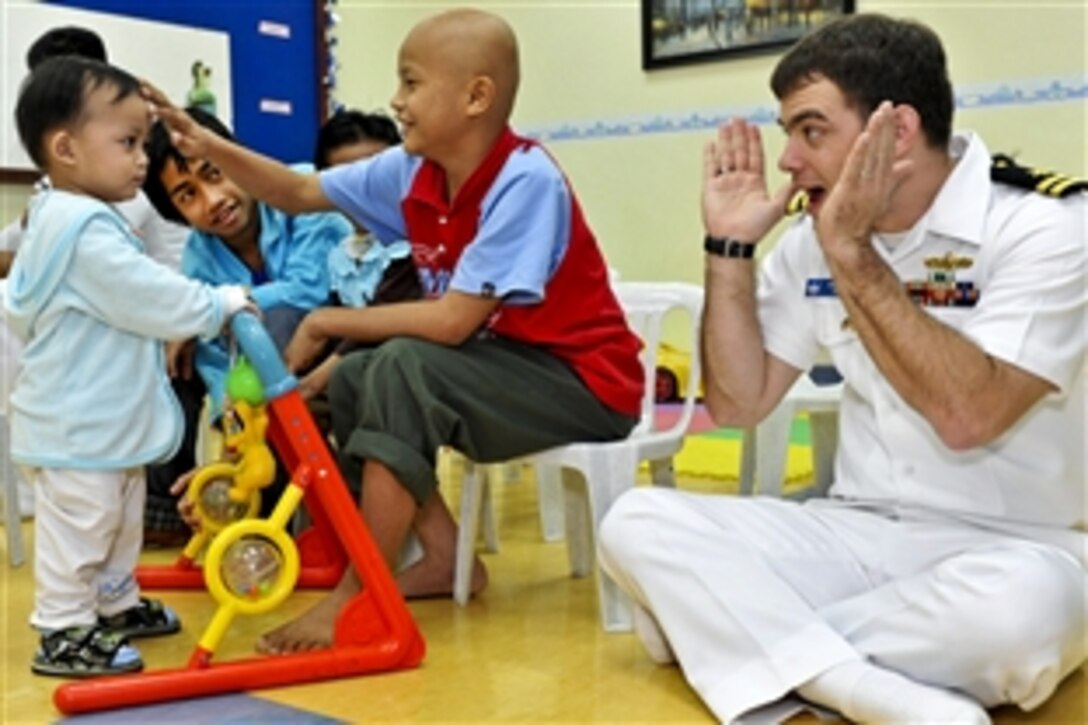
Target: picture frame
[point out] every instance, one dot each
(679, 32)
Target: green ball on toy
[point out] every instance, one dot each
(244, 384)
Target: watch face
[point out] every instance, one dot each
(739, 250)
(727, 247)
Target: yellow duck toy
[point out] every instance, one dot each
(229, 490)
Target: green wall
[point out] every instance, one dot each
(581, 63)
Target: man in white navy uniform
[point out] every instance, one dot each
(945, 573)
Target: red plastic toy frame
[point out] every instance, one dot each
(374, 632)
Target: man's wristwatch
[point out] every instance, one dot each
(729, 247)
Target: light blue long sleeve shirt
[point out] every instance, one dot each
(295, 250)
(94, 311)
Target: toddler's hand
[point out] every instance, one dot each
(250, 306)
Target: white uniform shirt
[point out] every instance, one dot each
(1027, 262)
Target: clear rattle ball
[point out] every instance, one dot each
(216, 504)
(251, 567)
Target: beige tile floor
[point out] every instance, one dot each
(529, 649)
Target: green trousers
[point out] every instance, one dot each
(491, 399)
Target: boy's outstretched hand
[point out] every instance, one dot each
(188, 136)
(306, 344)
(317, 380)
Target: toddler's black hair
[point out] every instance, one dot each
(54, 94)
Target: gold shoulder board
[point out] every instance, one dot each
(1005, 170)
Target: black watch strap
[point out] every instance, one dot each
(729, 247)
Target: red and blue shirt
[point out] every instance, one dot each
(514, 231)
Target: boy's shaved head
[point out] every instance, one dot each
(475, 43)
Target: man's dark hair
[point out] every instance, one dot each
(69, 40)
(873, 58)
(350, 126)
(55, 93)
(161, 149)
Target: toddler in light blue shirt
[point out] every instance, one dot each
(92, 404)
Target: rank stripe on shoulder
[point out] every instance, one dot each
(1006, 170)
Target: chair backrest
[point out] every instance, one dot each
(647, 304)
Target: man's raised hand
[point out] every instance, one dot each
(736, 202)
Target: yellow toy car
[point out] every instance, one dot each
(673, 372)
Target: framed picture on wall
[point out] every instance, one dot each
(677, 32)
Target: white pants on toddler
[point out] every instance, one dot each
(88, 535)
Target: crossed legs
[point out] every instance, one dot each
(882, 618)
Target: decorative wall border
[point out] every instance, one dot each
(1022, 92)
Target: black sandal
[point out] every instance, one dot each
(85, 652)
(149, 618)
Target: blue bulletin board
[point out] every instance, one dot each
(276, 50)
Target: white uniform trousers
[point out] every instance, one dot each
(88, 532)
(756, 596)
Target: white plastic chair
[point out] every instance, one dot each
(766, 446)
(10, 352)
(551, 505)
(593, 475)
(10, 502)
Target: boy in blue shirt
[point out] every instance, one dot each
(92, 405)
(281, 258)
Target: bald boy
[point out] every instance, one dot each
(520, 344)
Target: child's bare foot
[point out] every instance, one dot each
(432, 576)
(313, 629)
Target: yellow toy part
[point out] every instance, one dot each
(229, 491)
(244, 428)
(251, 567)
(673, 371)
(210, 492)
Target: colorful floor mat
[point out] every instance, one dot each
(235, 709)
(713, 454)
